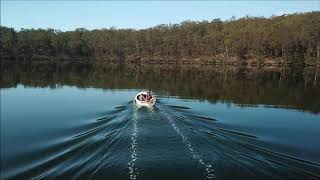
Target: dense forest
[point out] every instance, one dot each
(290, 38)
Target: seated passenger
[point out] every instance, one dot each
(142, 97)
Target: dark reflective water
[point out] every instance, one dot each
(73, 121)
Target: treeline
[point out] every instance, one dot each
(294, 36)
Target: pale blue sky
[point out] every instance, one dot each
(68, 15)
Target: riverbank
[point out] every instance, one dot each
(220, 60)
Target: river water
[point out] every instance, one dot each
(63, 121)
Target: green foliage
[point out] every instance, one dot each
(8, 42)
(295, 36)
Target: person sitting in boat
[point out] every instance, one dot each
(149, 96)
(142, 97)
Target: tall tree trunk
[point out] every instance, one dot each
(137, 47)
(227, 51)
(309, 49)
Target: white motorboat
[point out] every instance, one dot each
(144, 98)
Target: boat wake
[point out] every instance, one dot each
(209, 171)
(132, 164)
(174, 143)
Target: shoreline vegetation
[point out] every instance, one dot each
(283, 41)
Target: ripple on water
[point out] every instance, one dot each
(111, 146)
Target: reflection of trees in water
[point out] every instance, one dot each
(285, 87)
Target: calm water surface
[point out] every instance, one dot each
(79, 122)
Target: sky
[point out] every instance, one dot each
(69, 15)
